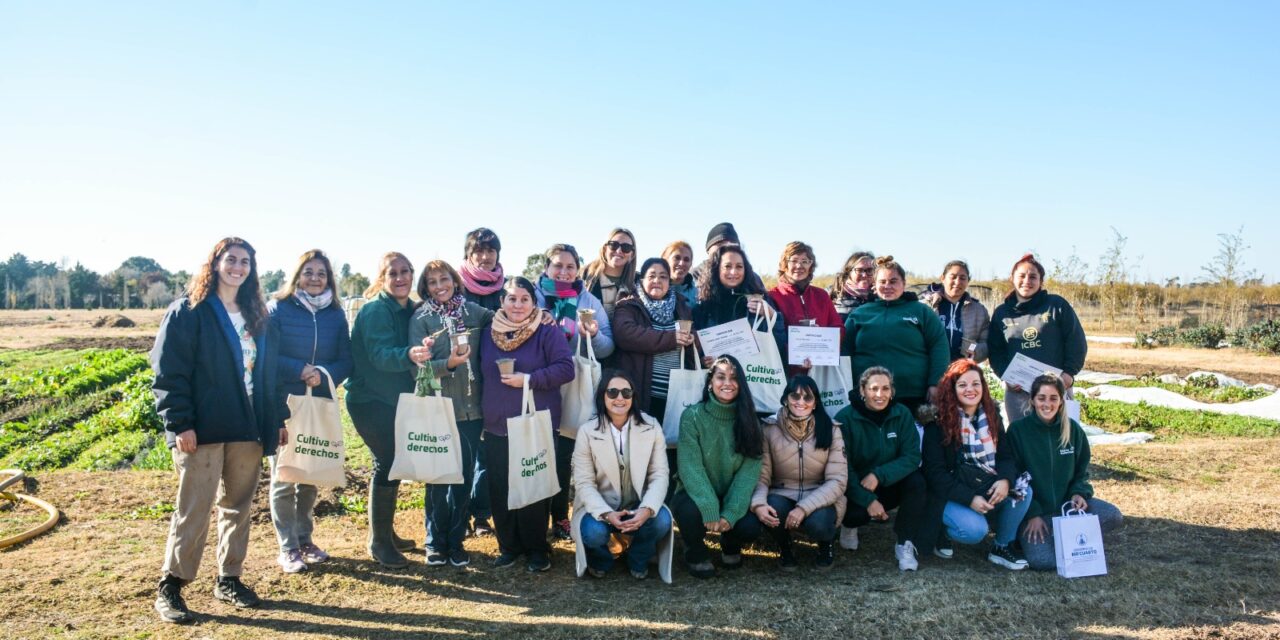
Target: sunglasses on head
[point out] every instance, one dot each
(625, 247)
(612, 393)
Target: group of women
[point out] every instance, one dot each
(920, 432)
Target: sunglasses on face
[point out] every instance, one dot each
(613, 394)
(625, 247)
(796, 396)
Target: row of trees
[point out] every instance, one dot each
(139, 282)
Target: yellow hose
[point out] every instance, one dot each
(17, 475)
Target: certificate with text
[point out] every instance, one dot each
(1022, 371)
(820, 345)
(731, 338)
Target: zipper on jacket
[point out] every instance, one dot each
(800, 451)
(315, 336)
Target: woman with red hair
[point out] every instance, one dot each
(973, 482)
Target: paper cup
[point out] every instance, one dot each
(506, 366)
(585, 315)
(684, 326)
(457, 339)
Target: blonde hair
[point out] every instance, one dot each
(384, 264)
(1050, 380)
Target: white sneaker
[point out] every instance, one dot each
(906, 554)
(291, 561)
(849, 538)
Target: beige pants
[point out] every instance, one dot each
(228, 471)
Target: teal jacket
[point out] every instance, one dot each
(380, 352)
(904, 336)
(1057, 472)
(716, 477)
(891, 451)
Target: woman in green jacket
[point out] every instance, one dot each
(1055, 451)
(899, 333)
(454, 369)
(883, 449)
(383, 360)
(721, 449)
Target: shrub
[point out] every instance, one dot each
(1207, 336)
(1263, 336)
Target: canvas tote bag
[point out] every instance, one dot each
(684, 388)
(1077, 542)
(577, 397)
(531, 467)
(766, 375)
(428, 447)
(834, 384)
(314, 454)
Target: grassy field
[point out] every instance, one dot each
(1196, 559)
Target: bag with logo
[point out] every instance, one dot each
(314, 454)
(834, 383)
(531, 470)
(577, 396)
(766, 374)
(684, 388)
(428, 447)
(1077, 541)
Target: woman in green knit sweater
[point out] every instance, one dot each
(720, 456)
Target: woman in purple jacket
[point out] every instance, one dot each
(543, 357)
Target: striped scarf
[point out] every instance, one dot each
(976, 444)
(562, 299)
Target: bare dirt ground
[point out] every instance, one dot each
(72, 329)
(1122, 358)
(1196, 559)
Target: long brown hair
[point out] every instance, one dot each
(1064, 421)
(248, 296)
(384, 264)
(949, 403)
(315, 254)
(627, 280)
(846, 272)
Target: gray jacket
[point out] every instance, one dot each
(462, 386)
(975, 322)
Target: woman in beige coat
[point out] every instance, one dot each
(620, 477)
(803, 478)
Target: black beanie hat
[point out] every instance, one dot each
(721, 232)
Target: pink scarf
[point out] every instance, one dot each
(481, 282)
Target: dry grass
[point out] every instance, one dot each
(1122, 358)
(68, 329)
(1196, 559)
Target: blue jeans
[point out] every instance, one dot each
(448, 504)
(966, 526)
(820, 525)
(644, 542)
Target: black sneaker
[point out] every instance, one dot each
(1007, 557)
(170, 605)
(436, 558)
(788, 559)
(505, 560)
(229, 589)
(826, 556)
(538, 562)
(459, 558)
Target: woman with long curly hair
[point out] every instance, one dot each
(215, 388)
(727, 292)
(973, 481)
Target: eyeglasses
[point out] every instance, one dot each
(865, 272)
(613, 394)
(800, 262)
(625, 247)
(799, 396)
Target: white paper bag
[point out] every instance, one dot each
(833, 384)
(314, 454)
(1077, 542)
(684, 388)
(766, 375)
(531, 467)
(578, 396)
(428, 447)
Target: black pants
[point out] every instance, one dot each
(693, 531)
(564, 460)
(376, 424)
(520, 531)
(907, 495)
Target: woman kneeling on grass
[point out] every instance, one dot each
(972, 475)
(803, 476)
(221, 414)
(720, 450)
(1055, 450)
(620, 478)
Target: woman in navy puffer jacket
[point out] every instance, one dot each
(312, 328)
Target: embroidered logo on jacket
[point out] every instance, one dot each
(1069, 451)
(912, 319)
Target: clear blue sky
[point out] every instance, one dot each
(929, 131)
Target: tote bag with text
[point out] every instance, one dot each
(531, 468)
(314, 454)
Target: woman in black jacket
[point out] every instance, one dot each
(727, 292)
(215, 392)
(973, 480)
